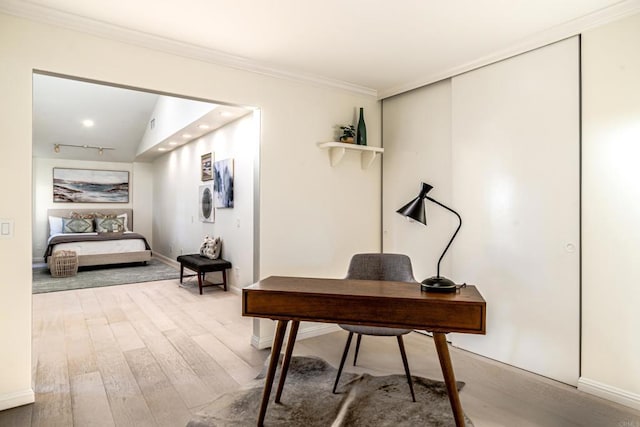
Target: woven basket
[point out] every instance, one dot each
(63, 264)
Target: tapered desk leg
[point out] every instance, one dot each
(271, 371)
(449, 377)
(287, 357)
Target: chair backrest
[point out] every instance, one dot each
(395, 267)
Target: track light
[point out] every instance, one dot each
(56, 147)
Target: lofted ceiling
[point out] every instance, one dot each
(60, 106)
(119, 118)
(378, 46)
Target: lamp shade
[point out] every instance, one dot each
(415, 208)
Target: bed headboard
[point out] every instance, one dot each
(65, 213)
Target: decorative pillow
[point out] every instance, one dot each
(211, 247)
(125, 221)
(55, 225)
(78, 215)
(103, 215)
(77, 225)
(104, 225)
(122, 217)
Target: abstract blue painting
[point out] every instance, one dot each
(223, 183)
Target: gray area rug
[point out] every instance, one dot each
(362, 400)
(106, 275)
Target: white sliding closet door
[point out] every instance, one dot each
(417, 147)
(516, 183)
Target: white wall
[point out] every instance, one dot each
(312, 217)
(140, 186)
(176, 226)
(611, 209)
(142, 193)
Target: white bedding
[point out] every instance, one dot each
(99, 247)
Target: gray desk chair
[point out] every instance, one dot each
(394, 267)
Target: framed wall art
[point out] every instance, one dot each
(90, 186)
(206, 167)
(223, 183)
(205, 203)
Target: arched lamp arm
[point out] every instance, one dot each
(454, 234)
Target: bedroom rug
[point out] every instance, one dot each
(93, 277)
(362, 400)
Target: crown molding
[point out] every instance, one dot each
(78, 23)
(70, 21)
(546, 37)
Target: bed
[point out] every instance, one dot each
(96, 248)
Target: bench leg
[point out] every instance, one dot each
(201, 275)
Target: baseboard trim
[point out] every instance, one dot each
(608, 392)
(170, 261)
(16, 398)
(314, 330)
(261, 343)
(317, 329)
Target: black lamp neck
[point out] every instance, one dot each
(454, 234)
(424, 190)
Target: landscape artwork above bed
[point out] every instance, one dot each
(90, 186)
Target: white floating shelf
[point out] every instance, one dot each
(337, 149)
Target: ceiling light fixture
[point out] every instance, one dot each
(56, 147)
(186, 135)
(203, 126)
(226, 114)
(87, 123)
(162, 149)
(173, 143)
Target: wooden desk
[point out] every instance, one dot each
(362, 302)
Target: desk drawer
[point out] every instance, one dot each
(430, 315)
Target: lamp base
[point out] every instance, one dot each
(438, 284)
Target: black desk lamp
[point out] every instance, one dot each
(415, 209)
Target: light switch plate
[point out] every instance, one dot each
(6, 228)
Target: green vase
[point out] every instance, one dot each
(361, 133)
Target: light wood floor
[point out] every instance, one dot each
(154, 354)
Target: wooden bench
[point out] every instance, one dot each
(202, 265)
